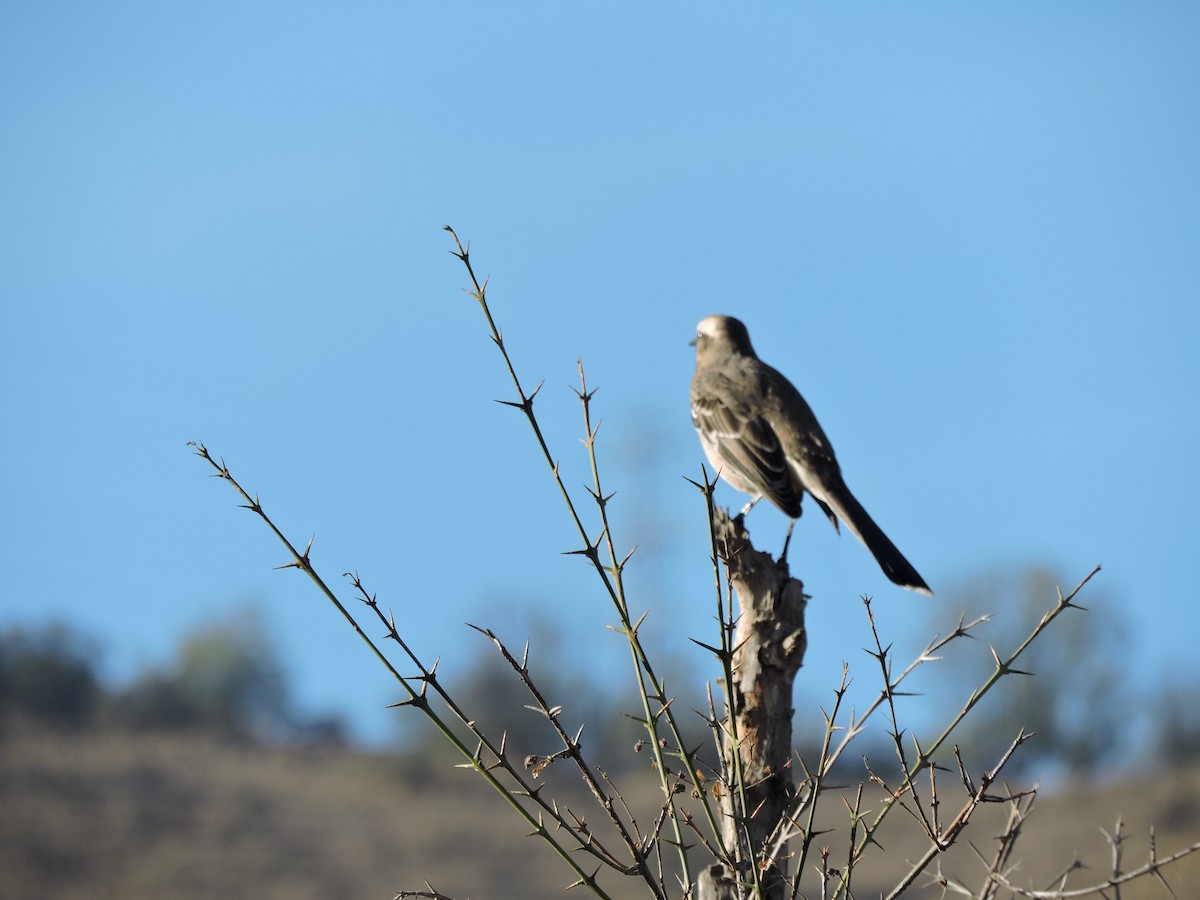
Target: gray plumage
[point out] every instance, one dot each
(763, 438)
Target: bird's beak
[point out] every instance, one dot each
(692, 342)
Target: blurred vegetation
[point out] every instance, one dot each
(186, 814)
(204, 765)
(1175, 725)
(494, 697)
(48, 675)
(226, 678)
(1076, 697)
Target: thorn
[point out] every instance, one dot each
(638, 624)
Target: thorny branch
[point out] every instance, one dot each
(798, 822)
(651, 688)
(416, 696)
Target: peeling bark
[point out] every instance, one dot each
(770, 642)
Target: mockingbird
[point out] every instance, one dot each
(763, 439)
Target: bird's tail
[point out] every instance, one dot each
(847, 508)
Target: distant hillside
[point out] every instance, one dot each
(101, 814)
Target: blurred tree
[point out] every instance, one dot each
(491, 692)
(1075, 699)
(48, 675)
(1175, 728)
(153, 700)
(226, 677)
(231, 675)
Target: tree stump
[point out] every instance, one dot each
(770, 641)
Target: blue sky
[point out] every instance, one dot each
(968, 233)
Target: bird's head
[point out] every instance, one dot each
(722, 334)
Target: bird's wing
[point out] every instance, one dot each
(746, 449)
(813, 465)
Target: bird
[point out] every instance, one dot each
(763, 439)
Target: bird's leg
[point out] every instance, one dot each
(748, 506)
(787, 540)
